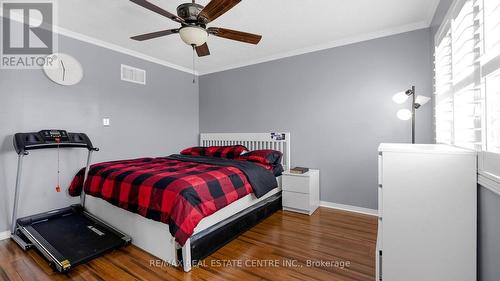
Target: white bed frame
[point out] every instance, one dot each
(252, 142)
(154, 237)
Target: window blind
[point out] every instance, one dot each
(467, 83)
(463, 45)
(458, 85)
(493, 112)
(492, 25)
(467, 118)
(443, 91)
(491, 73)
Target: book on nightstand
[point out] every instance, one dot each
(299, 170)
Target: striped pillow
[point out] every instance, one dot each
(194, 151)
(230, 152)
(264, 156)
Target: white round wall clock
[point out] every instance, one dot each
(63, 69)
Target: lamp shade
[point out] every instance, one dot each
(400, 97)
(421, 100)
(193, 35)
(404, 114)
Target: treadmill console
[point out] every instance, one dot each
(54, 135)
(50, 139)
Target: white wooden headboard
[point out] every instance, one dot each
(276, 141)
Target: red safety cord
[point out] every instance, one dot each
(58, 186)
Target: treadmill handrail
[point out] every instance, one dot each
(29, 141)
(24, 232)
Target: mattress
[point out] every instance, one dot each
(177, 190)
(154, 237)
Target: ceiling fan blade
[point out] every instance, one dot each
(216, 8)
(156, 34)
(235, 35)
(203, 50)
(158, 10)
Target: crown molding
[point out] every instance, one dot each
(97, 42)
(432, 11)
(329, 45)
(120, 49)
(320, 47)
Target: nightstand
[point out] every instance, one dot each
(301, 192)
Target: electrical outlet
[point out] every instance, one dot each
(106, 122)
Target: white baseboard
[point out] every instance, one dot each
(349, 208)
(4, 235)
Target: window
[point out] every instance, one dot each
(466, 88)
(492, 25)
(467, 83)
(467, 76)
(491, 73)
(443, 87)
(493, 109)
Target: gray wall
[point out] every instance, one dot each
(488, 235)
(157, 119)
(488, 202)
(336, 103)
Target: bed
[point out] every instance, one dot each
(214, 230)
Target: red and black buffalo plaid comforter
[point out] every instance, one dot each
(177, 190)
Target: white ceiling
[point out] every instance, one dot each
(288, 27)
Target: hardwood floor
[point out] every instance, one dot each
(282, 247)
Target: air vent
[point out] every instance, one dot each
(132, 74)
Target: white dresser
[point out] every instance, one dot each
(427, 213)
(301, 191)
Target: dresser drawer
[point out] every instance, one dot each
(296, 200)
(296, 184)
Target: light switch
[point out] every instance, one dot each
(106, 122)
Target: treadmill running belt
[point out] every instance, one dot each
(77, 238)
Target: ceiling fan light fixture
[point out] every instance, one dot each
(193, 19)
(193, 35)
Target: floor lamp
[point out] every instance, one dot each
(405, 114)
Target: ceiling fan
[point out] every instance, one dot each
(194, 19)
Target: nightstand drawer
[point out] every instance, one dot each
(296, 200)
(296, 184)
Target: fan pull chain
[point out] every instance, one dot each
(194, 70)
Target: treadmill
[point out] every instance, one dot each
(69, 236)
